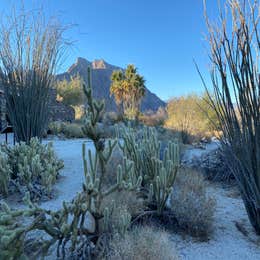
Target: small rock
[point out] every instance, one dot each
(90, 223)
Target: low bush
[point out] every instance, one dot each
(74, 130)
(111, 118)
(143, 243)
(33, 167)
(69, 130)
(191, 205)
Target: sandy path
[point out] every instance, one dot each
(71, 176)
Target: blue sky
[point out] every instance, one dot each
(160, 37)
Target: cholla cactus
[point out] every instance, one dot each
(94, 181)
(33, 165)
(157, 167)
(12, 233)
(165, 172)
(5, 173)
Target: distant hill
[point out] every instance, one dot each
(101, 73)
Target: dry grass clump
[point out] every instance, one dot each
(143, 243)
(120, 202)
(191, 205)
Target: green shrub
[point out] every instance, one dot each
(34, 167)
(191, 205)
(143, 243)
(71, 130)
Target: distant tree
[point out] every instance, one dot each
(70, 92)
(128, 88)
(192, 116)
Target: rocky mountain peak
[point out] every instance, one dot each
(80, 65)
(99, 64)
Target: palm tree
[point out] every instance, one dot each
(128, 88)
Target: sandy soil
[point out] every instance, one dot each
(227, 242)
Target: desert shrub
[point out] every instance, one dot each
(143, 243)
(69, 130)
(74, 130)
(192, 117)
(111, 118)
(119, 203)
(33, 167)
(55, 128)
(152, 118)
(191, 205)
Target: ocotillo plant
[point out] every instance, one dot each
(234, 52)
(30, 51)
